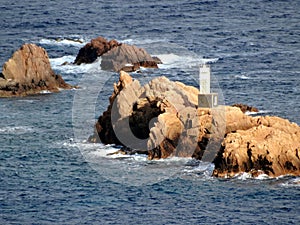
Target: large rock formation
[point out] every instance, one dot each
(162, 119)
(29, 71)
(116, 56)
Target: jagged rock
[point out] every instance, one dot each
(29, 71)
(162, 119)
(91, 51)
(116, 56)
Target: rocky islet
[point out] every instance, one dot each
(116, 56)
(163, 119)
(29, 72)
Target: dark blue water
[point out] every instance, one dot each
(48, 175)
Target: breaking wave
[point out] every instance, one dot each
(65, 65)
(78, 42)
(172, 60)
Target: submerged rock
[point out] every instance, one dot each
(162, 119)
(29, 71)
(116, 56)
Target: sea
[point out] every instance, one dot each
(50, 174)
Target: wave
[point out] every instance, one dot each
(65, 65)
(27, 100)
(45, 92)
(257, 113)
(172, 60)
(132, 170)
(246, 176)
(16, 130)
(97, 149)
(142, 42)
(198, 169)
(78, 42)
(242, 77)
(293, 182)
(138, 170)
(111, 151)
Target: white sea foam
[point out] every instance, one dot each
(26, 100)
(242, 77)
(246, 176)
(65, 41)
(294, 182)
(130, 169)
(70, 68)
(141, 42)
(263, 176)
(16, 130)
(208, 60)
(59, 61)
(45, 92)
(110, 151)
(259, 112)
(202, 170)
(172, 60)
(243, 176)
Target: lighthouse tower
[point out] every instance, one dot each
(205, 98)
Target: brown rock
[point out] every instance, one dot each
(91, 51)
(29, 71)
(128, 58)
(271, 149)
(116, 56)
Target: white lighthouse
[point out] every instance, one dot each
(205, 98)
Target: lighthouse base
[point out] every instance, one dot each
(208, 100)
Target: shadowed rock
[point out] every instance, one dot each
(29, 71)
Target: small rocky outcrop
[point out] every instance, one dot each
(162, 119)
(91, 51)
(116, 56)
(29, 71)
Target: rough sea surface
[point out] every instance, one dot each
(50, 175)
